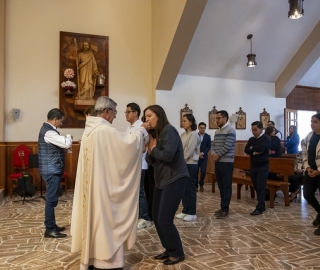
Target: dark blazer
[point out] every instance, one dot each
(205, 146)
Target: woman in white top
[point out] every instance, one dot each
(190, 141)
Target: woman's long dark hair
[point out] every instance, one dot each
(191, 118)
(162, 119)
(268, 131)
(295, 131)
(316, 116)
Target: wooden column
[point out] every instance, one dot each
(2, 95)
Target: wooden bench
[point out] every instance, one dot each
(283, 166)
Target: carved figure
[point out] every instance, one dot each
(87, 72)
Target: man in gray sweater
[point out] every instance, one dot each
(223, 156)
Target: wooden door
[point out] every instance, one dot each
(290, 119)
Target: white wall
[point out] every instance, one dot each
(32, 56)
(202, 93)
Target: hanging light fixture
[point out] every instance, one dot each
(251, 56)
(295, 9)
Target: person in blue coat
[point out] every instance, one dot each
(292, 141)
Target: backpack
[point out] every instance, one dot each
(25, 188)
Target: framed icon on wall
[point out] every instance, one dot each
(264, 118)
(241, 120)
(212, 118)
(184, 111)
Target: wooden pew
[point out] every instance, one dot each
(283, 166)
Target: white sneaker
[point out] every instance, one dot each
(142, 224)
(190, 217)
(181, 215)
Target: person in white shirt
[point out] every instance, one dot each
(132, 114)
(52, 148)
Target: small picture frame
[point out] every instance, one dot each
(241, 120)
(184, 111)
(212, 119)
(264, 118)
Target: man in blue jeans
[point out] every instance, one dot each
(51, 165)
(132, 116)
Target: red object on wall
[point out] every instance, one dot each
(20, 161)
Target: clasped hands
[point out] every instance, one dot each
(312, 172)
(215, 157)
(255, 153)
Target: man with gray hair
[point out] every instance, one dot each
(105, 205)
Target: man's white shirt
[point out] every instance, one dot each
(54, 138)
(133, 128)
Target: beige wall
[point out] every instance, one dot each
(2, 66)
(251, 96)
(32, 56)
(166, 15)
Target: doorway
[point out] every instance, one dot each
(304, 120)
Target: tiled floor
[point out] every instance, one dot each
(281, 238)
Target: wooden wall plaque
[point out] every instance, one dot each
(74, 55)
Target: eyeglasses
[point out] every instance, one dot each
(127, 112)
(115, 111)
(218, 118)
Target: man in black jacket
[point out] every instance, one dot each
(258, 149)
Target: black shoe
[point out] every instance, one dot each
(60, 229)
(222, 215)
(316, 222)
(169, 262)
(216, 213)
(161, 256)
(201, 189)
(256, 212)
(54, 234)
(317, 231)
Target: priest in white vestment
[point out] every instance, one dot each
(105, 204)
